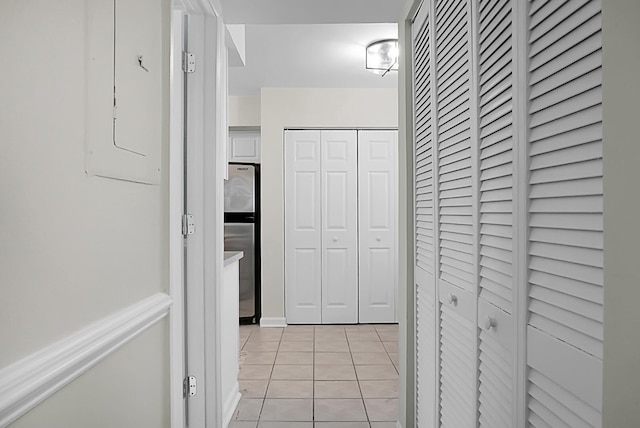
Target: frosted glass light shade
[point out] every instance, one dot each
(382, 56)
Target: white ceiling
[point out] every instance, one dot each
(310, 43)
(311, 11)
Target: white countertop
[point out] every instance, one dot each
(232, 257)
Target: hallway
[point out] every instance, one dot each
(329, 376)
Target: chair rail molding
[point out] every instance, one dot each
(28, 382)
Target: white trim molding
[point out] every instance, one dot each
(273, 322)
(30, 381)
(230, 404)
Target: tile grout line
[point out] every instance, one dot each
(366, 413)
(313, 378)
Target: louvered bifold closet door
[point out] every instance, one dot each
(566, 258)
(495, 115)
(426, 329)
(457, 282)
(454, 143)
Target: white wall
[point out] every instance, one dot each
(621, 92)
(74, 249)
(244, 111)
(304, 108)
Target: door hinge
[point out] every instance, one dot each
(189, 386)
(188, 62)
(188, 224)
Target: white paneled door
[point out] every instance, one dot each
(377, 223)
(339, 226)
(303, 266)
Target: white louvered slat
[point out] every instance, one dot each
(566, 179)
(495, 366)
(556, 396)
(425, 358)
(457, 369)
(423, 148)
(495, 383)
(496, 153)
(426, 327)
(565, 299)
(454, 141)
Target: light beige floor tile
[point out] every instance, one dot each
(391, 346)
(246, 329)
(297, 337)
(360, 358)
(339, 410)
(296, 346)
(262, 371)
(298, 328)
(388, 336)
(260, 338)
(332, 346)
(290, 389)
(341, 425)
(341, 339)
(268, 331)
(360, 327)
(324, 358)
(292, 372)
(261, 346)
(294, 358)
(321, 336)
(336, 389)
(253, 388)
(243, 424)
(394, 357)
(248, 409)
(386, 328)
(285, 409)
(241, 343)
(363, 336)
(334, 372)
(366, 347)
(257, 357)
(330, 327)
(379, 388)
(382, 409)
(267, 424)
(377, 372)
(383, 425)
(266, 335)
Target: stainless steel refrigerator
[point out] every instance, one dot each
(242, 233)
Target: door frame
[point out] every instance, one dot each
(209, 188)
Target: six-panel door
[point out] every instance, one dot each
(303, 268)
(377, 223)
(339, 227)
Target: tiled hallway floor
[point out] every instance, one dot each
(328, 376)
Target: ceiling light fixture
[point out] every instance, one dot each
(382, 56)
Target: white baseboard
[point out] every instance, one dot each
(273, 322)
(30, 381)
(230, 404)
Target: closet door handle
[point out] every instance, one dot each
(453, 299)
(378, 238)
(335, 239)
(490, 323)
